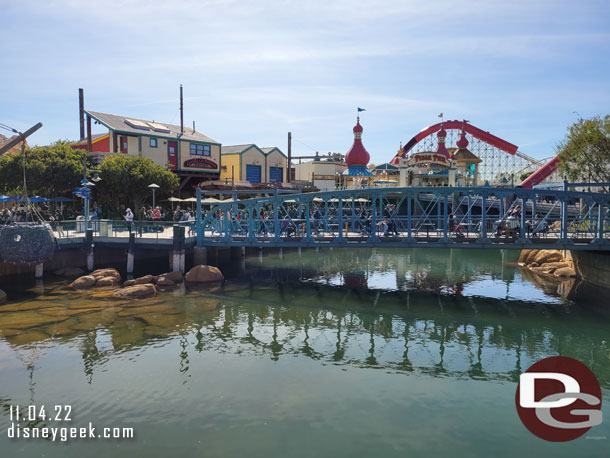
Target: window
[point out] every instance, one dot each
(200, 150)
(153, 142)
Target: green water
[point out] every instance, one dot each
(321, 354)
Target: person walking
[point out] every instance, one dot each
(129, 218)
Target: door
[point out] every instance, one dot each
(123, 140)
(276, 174)
(253, 173)
(172, 150)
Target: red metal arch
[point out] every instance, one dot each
(472, 130)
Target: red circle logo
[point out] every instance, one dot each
(559, 399)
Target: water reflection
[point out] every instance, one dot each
(322, 305)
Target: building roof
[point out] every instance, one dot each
(386, 166)
(94, 138)
(357, 171)
(465, 155)
(270, 149)
(238, 149)
(142, 126)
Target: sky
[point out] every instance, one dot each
(254, 70)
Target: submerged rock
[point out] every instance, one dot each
(84, 282)
(163, 280)
(107, 281)
(70, 272)
(176, 277)
(204, 274)
(567, 272)
(137, 291)
(143, 280)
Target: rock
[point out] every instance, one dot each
(84, 282)
(2, 297)
(552, 266)
(107, 295)
(129, 283)
(523, 257)
(566, 272)
(176, 277)
(70, 272)
(548, 267)
(107, 281)
(163, 280)
(106, 273)
(204, 274)
(143, 280)
(544, 256)
(530, 257)
(137, 291)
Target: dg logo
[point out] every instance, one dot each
(559, 399)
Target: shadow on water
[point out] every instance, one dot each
(445, 313)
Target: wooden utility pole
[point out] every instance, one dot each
(81, 112)
(20, 138)
(289, 166)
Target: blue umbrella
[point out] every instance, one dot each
(60, 199)
(38, 199)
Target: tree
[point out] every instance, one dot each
(125, 180)
(584, 154)
(50, 170)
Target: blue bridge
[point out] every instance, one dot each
(468, 217)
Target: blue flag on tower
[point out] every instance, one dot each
(361, 109)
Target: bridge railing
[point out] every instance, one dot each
(117, 229)
(485, 214)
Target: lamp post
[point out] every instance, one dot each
(154, 187)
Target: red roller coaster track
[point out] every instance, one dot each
(472, 130)
(537, 177)
(541, 173)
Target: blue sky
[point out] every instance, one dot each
(252, 71)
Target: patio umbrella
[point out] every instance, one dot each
(38, 199)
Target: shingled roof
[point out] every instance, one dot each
(141, 126)
(237, 149)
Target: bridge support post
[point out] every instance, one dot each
(409, 237)
(483, 238)
(564, 216)
(89, 244)
(446, 238)
(252, 218)
(276, 222)
(600, 225)
(199, 224)
(131, 252)
(39, 270)
(469, 212)
(523, 237)
(340, 219)
(178, 256)
(308, 237)
(200, 255)
(373, 237)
